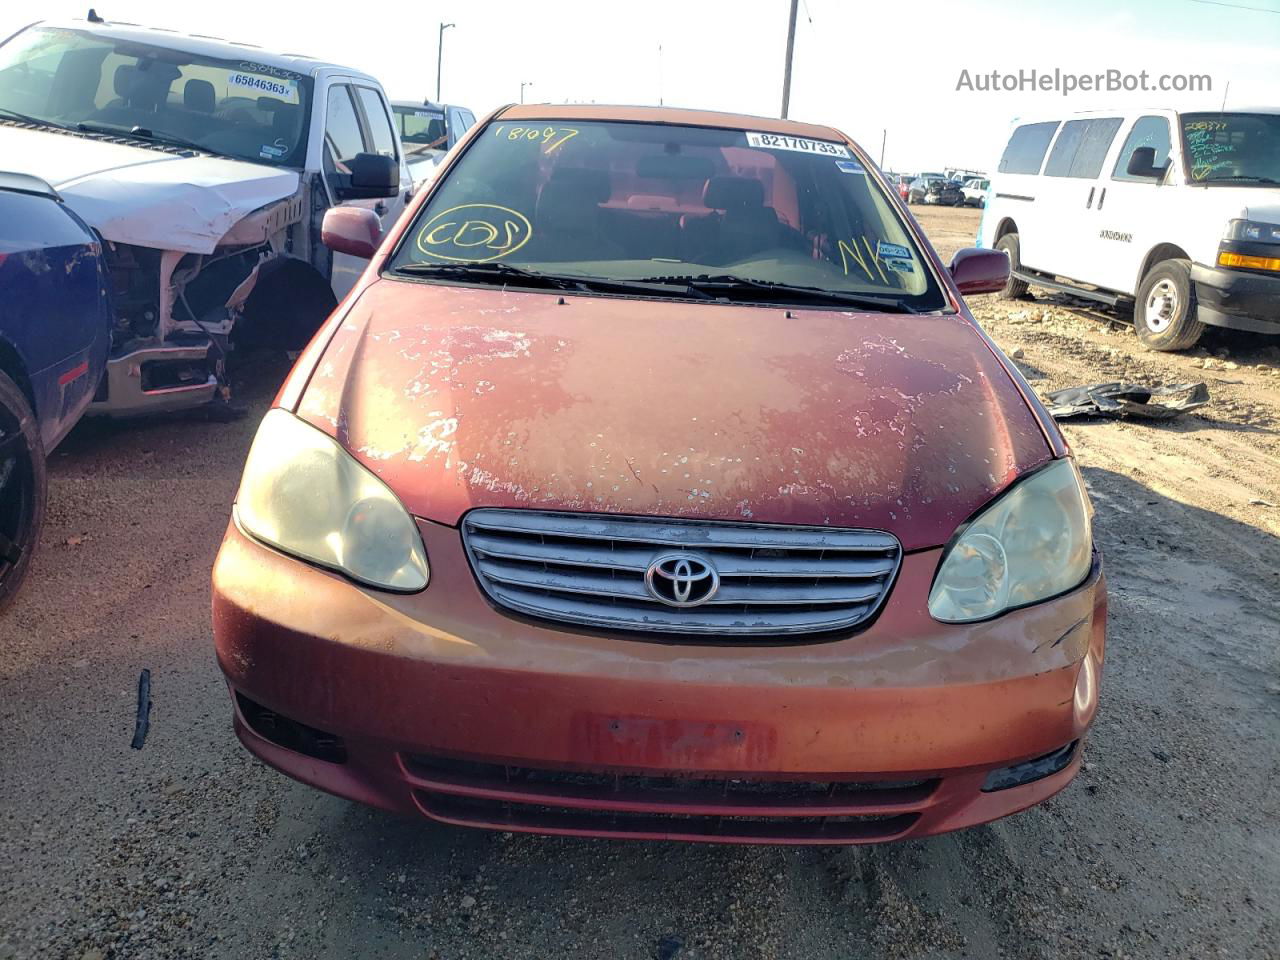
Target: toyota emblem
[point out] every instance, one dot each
(681, 580)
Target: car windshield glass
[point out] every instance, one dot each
(236, 108)
(632, 201)
(422, 129)
(1232, 148)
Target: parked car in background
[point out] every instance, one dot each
(823, 573)
(206, 166)
(55, 330)
(428, 131)
(936, 190)
(975, 192)
(1175, 212)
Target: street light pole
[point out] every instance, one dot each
(440, 56)
(791, 46)
(523, 84)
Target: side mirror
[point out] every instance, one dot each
(372, 177)
(352, 230)
(980, 271)
(1142, 163)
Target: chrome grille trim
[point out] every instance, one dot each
(588, 569)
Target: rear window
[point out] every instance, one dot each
(628, 201)
(1081, 148)
(1027, 147)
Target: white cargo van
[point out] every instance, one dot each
(1178, 212)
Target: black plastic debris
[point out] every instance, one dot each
(143, 721)
(1127, 400)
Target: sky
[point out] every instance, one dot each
(881, 72)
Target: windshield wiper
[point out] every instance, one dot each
(518, 276)
(493, 271)
(140, 133)
(34, 121)
(725, 282)
(1241, 178)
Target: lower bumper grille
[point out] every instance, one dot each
(625, 803)
(497, 814)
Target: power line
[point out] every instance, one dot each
(1237, 6)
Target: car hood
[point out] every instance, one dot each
(462, 397)
(142, 196)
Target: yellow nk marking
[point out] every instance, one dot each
(847, 251)
(875, 262)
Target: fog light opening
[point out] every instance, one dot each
(291, 734)
(1030, 771)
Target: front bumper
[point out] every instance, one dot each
(437, 704)
(157, 379)
(1237, 299)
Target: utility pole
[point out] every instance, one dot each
(883, 141)
(791, 46)
(440, 56)
(523, 84)
(659, 74)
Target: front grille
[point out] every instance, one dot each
(590, 569)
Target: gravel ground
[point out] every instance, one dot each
(1166, 845)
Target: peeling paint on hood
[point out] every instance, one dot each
(146, 197)
(461, 397)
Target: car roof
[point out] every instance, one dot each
(672, 115)
(420, 104)
(205, 46)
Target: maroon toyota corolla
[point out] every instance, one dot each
(655, 481)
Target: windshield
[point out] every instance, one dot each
(422, 129)
(1232, 148)
(80, 80)
(633, 201)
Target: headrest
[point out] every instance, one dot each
(562, 205)
(198, 95)
(123, 81)
(285, 120)
(592, 185)
(724, 193)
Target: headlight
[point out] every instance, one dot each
(1252, 231)
(301, 492)
(1033, 543)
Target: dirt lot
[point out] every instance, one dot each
(1167, 844)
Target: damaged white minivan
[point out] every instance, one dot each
(206, 168)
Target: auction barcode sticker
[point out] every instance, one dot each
(776, 141)
(286, 90)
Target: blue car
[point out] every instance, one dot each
(55, 331)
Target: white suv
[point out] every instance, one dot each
(1178, 212)
(206, 166)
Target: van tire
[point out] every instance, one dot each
(22, 498)
(1014, 289)
(1164, 313)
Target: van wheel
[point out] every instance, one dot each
(1164, 315)
(22, 487)
(1014, 289)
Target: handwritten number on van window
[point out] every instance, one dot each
(551, 138)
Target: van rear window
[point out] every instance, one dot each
(1027, 147)
(1082, 148)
